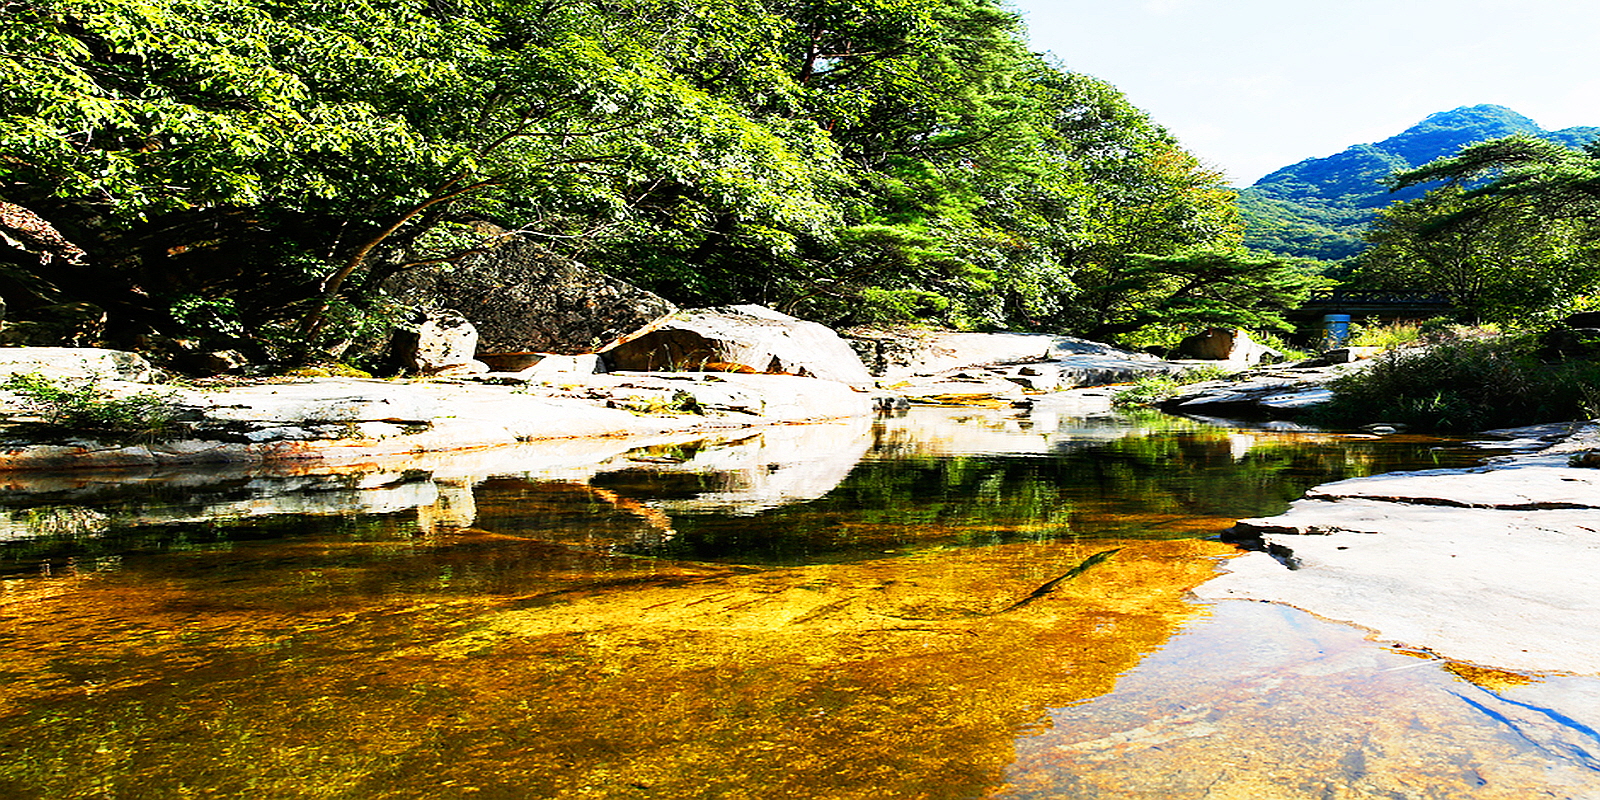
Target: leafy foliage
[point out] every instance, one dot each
(1511, 233)
(1375, 333)
(1203, 287)
(234, 168)
(1495, 261)
(85, 407)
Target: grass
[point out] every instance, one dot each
(681, 402)
(1388, 337)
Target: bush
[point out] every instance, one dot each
(1466, 385)
(1390, 336)
(85, 407)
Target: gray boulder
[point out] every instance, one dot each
(1583, 319)
(62, 324)
(751, 339)
(898, 352)
(1226, 344)
(1578, 337)
(523, 298)
(1275, 392)
(437, 342)
(532, 365)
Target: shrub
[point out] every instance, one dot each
(1390, 336)
(1466, 385)
(681, 402)
(86, 407)
(1290, 352)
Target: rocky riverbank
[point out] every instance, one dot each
(338, 420)
(342, 420)
(1495, 565)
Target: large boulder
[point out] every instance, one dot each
(59, 325)
(1226, 344)
(523, 298)
(1273, 392)
(738, 339)
(1583, 319)
(1577, 337)
(437, 342)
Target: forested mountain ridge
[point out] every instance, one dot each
(1319, 207)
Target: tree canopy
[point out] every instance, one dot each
(1513, 231)
(254, 167)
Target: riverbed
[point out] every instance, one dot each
(950, 603)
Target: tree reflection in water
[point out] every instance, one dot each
(685, 620)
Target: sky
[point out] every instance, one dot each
(1250, 86)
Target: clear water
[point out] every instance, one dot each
(950, 604)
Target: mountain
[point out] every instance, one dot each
(1319, 207)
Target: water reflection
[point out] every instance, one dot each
(925, 606)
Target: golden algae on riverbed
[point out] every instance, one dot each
(896, 677)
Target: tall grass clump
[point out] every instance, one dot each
(1387, 336)
(1466, 385)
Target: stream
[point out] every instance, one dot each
(949, 603)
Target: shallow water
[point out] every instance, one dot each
(950, 604)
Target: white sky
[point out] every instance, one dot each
(1253, 85)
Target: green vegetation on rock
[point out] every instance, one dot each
(86, 407)
(1152, 389)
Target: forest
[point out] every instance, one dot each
(249, 173)
(253, 171)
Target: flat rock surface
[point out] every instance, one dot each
(1271, 391)
(346, 419)
(1497, 565)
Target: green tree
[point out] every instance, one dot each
(1551, 176)
(351, 130)
(249, 168)
(1200, 288)
(1495, 261)
(1513, 230)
